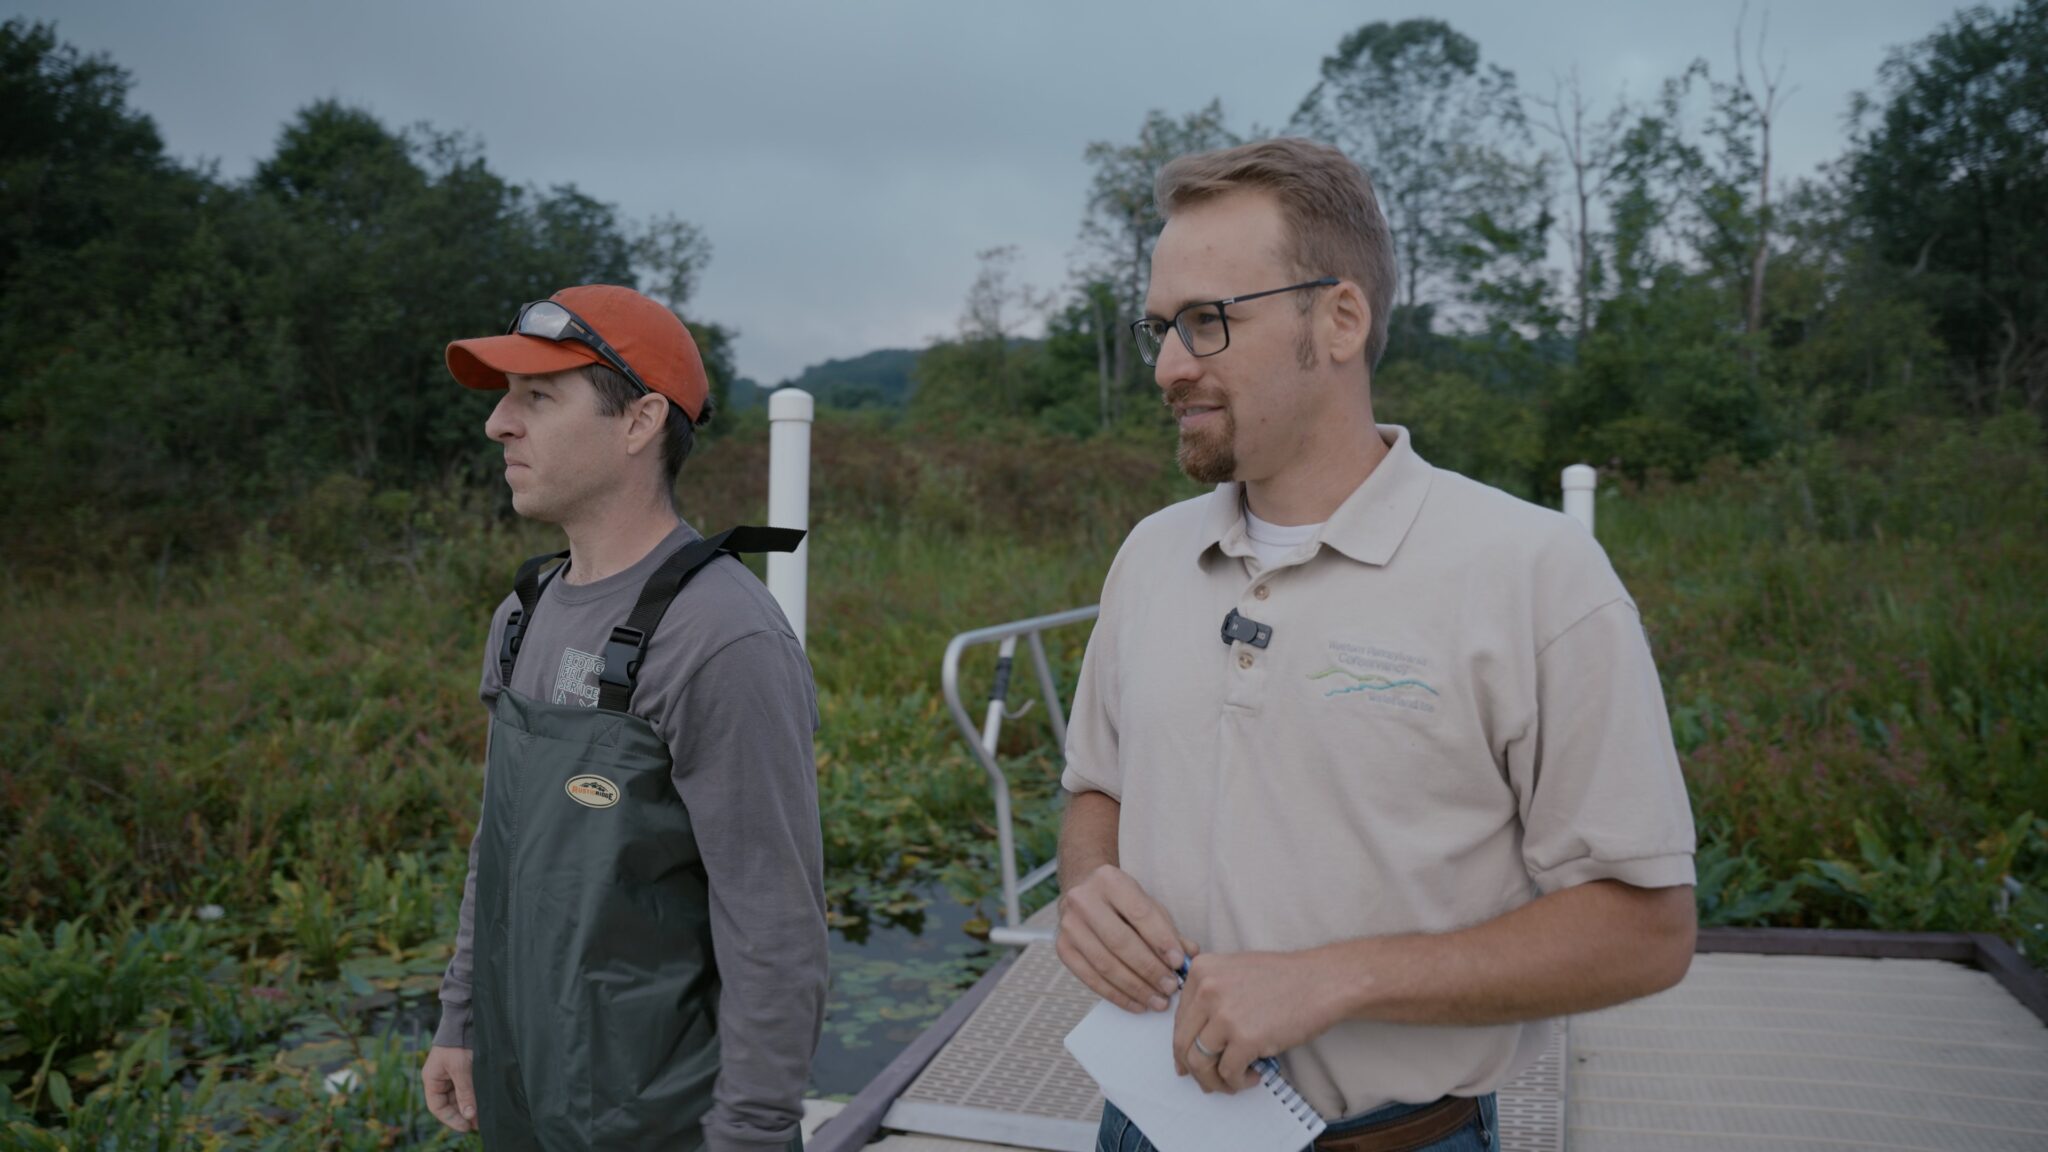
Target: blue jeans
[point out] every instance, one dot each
(1118, 1134)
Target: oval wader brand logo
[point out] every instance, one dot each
(592, 791)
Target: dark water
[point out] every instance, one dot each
(890, 980)
(891, 977)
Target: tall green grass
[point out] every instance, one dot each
(1853, 642)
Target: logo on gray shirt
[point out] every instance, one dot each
(577, 678)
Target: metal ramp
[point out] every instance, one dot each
(1005, 1078)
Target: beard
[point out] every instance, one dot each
(1209, 456)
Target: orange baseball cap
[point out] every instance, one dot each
(645, 334)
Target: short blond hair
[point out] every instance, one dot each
(1333, 219)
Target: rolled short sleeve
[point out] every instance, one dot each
(1092, 762)
(1599, 786)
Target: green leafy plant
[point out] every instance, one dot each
(403, 905)
(1734, 888)
(308, 916)
(73, 990)
(1918, 886)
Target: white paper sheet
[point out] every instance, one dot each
(1131, 1056)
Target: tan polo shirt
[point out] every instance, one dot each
(1456, 711)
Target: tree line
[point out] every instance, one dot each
(187, 348)
(1630, 283)
(1703, 306)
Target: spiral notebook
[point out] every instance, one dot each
(1130, 1055)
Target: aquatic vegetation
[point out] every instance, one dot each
(236, 809)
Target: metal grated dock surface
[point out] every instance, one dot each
(1749, 1053)
(1799, 1053)
(1006, 1078)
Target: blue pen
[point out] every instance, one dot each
(1264, 1064)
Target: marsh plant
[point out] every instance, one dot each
(1852, 642)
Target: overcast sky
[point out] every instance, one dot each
(848, 159)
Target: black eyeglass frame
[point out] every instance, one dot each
(579, 330)
(1141, 330)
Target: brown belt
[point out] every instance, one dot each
(1405, 1133)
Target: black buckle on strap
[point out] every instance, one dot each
(622, 656)
(509, 646)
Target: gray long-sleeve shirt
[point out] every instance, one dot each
(726, 685)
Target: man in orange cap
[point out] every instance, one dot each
(641, 961)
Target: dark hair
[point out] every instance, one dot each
(614, 392)
(1333, 219)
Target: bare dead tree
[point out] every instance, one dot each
(1767, 103)
(998, 308)
(1590, 153)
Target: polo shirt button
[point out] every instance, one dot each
(1260, 592)
(1244, 659)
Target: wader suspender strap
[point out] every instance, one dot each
(628, 644)
(527, 587)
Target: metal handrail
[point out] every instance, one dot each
(983, 742)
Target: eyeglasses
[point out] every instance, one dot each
(548, 320)
(1204, 327)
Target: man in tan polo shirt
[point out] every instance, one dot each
(1378, 749)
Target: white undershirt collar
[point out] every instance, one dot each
(1273, 543)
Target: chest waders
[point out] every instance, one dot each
(595, 991)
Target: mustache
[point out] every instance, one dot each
(1181, 394)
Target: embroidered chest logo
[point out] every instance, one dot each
(576, 680)
(1384, 676)
(592, 791)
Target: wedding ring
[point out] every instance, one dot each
(1204, 1050)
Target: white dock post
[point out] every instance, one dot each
(790, 411)
(1579, 482)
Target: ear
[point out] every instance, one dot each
(1348, 322)
(646, 423)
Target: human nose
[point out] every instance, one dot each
(501, 425)
(1174, 362)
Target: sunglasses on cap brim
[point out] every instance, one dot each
(548, 320)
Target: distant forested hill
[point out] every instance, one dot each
(879, 379)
